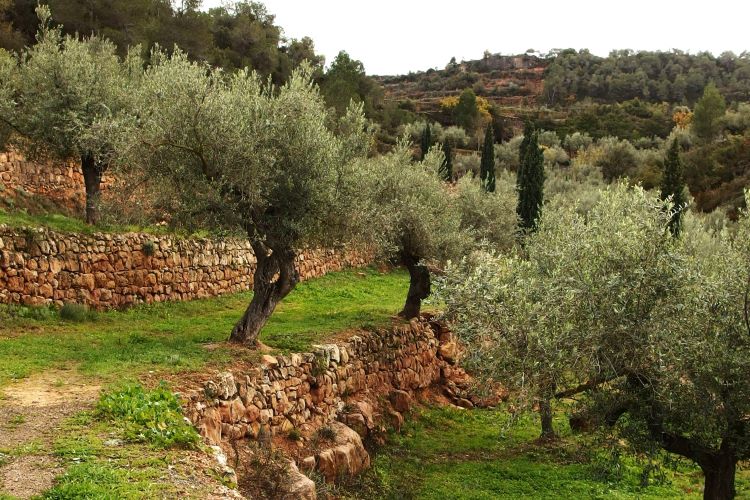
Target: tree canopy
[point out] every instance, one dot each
(237, 153)
(412, 218)
(708, 110)
(236, 35)
(674, 76)
(653, 328)
(57, 93)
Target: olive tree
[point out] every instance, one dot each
(235, 153)
(515, 308)
(653, 328)
(411, 217)
(490, 218)
(54, 93)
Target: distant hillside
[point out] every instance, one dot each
(506, 81)
(568, 76)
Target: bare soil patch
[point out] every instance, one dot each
(30, 416)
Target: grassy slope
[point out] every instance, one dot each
(61, 223)
(171, 337)
(58, 222)
(458, 454)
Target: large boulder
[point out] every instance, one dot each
(297, 486)
(401, 400)
(223, 388)
(348, 456)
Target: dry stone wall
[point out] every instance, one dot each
(354, 388)
(42, 267)
(61, 182)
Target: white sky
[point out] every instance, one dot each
(395, 37)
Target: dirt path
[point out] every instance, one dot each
(31, 413)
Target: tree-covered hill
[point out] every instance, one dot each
(240, 34)
(676, 77)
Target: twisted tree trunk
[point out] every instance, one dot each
(719, 473)
(275, 276)
(419, 286)
(93, 171)
(545, 412)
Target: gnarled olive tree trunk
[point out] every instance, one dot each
(93, 171)
(719, 473)
(545, 410)
(275, 276)
(419, 286)
(718, 465)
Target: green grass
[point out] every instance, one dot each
(474, 454)
(98, 470)
(172, 337)
(57, 222)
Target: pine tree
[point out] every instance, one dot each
(673, 185)
(446, 169)
(487, 165)
(708, 111)
(528, 131)
(426, 141)
(531, 185)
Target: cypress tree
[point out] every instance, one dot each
(528, 131)
(673, 185)
(531, 185)
(446, 169)
(426, 141)
(487, 165)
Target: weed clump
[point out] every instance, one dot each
(87, 480)
(149, 248)
(12, 311)
(77, 313)
(294, 435)
(327, 433)
(148, 416)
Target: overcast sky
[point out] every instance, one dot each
(398, 36)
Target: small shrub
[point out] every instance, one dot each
(262, 473)
(348, 407)
(149, 248)
(327, 433)
(148, 416)
(30, 235)
(320, 365)
(294, 435)
(77, 313)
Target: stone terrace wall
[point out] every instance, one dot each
(57, 181)
(306, 391)
(353, 388)
(42, 267)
